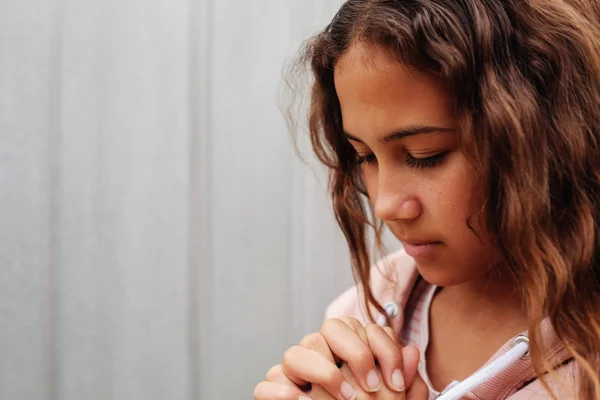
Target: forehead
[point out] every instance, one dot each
(374, 87)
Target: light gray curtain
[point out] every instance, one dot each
(159, 238)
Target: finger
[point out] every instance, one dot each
(316, 342)
(388, 355)
(346, 343)
(418, 390)
(302, 365)
(383, 394)
(391, 333)
(410, 358)
(278, 391)
(357, 327)
(318, 392)
(275, 374)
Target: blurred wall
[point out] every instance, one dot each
(159, 238)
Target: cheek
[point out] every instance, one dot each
(453, 196)
(453, 206)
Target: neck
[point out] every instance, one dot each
(469, 323)
(493, 299)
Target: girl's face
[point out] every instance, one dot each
(402, 125)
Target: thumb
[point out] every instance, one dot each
(418, 390)
(410, 357)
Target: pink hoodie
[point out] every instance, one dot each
(392, 280)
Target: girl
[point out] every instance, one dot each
(473, 129)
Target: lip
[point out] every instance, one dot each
(420, 249)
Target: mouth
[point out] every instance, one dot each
(420, 242)
(420, 249)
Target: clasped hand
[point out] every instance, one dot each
(346, 361)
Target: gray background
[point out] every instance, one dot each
(159, 238)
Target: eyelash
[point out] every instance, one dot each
(412, 162)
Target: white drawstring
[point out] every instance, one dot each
(456, 390)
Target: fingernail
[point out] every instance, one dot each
(304, 398)
(398, 380)
(373, 381)
(348, 391)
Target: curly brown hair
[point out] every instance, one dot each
(525, 79)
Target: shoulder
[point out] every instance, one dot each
(563, 383)
(392, 279)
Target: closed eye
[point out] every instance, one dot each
(428, 162)
(411, 161)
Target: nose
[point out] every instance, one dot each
(390, 208)
(395, 204)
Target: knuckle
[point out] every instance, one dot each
(360, 355)
(353, 323)
(329, 324)
(258, 389)
(289, 355)
(274, 372)
(312, 341)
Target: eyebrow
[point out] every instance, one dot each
(404, 132)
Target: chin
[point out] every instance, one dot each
(441, 275)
